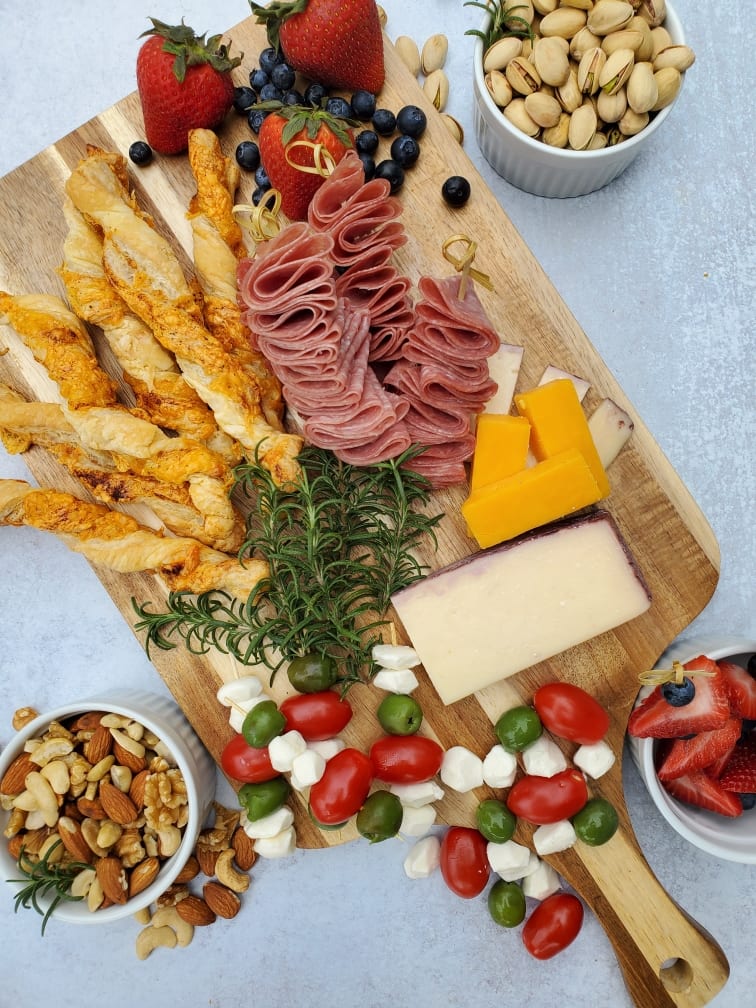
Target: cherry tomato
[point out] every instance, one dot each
(571, 713)
(405, 759)
(464, 861)
(553, 925)
(341, 791)
(543, 800)
(316, 716)
(246, 763)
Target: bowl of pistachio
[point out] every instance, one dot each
(101, 805)
(566, 95)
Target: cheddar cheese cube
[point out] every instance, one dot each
(501, 448)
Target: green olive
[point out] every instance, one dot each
(260, 800)
(312, 673)
(262, 724)
(495, 821)
(518, 728)
(506, 903)
(400, 714)
(380, 817)
(596, 822)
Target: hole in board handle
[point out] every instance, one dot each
(676, 975)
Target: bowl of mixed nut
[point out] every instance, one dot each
(101, 804)
(568, 92)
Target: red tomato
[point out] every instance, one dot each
(341, 791)
(243, 763)
(543, 800)
(316, 716)
(406, 759)
(571, 713)
(553, 925)
(464, 861)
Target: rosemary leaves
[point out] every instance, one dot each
(45, 878)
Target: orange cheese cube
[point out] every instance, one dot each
(558, 422)
(551, 489)
(501, 448)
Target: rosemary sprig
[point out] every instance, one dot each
(44, 877)
(338, 546)
(504, 22)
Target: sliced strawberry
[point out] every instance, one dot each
(709, 708)
(739, 773)
(742, 689)
(704, 792)
(687, 755)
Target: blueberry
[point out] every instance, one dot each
(678, 694)
(363, 105)
(259, 194)
(339, 107)
(258, 79)
(261, 177)
(411, 120)
(456, 190)
(248, 155)
(384, 121)
(256, 118)
(269, 92)
(405, 150)
(293, 98)
(314, 95)
(748, 801)
(140, 153)
(368, 165)
(366, 142)
(751, 666)
(392, 172)
(283, 76)
(269, 58)
(243, 98)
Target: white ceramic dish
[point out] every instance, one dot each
(730, 839)
(163, 717)
(548, 171)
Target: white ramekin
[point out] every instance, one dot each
(548, 171)
(162, 716)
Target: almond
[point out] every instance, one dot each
(14, 846)
(89, 721)
(14, 777)
(73, 839)
(143, 875)
(173, 895)
(90, 808)
(244, 849)
(189, 871)
(207, 859)
(98, 746)
(194, 910)
(221, 900)
(136, 791)
(118, 806)
(128, 759)
(112, 877)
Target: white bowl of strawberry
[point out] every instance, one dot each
(692, 736)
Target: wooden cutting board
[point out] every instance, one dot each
(665, 957)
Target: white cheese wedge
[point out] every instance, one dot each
(610, 428)
(395, 680)
(395, 656)
(499, 767)
(417, 795)
(552, 373)
(504, 368)
(284, 749)
(541, 883)
(461, 769)
(543, 758)
(554, 837)
(327, 747)
(424, 858)
(594, 759)
(270, 825)
(238, 690)
(306, 769)
(281, 845)
(517, 604)
(510, 860)
(417, 821)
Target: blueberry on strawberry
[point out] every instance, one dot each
(709, 708)
(678, 694)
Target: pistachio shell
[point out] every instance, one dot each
(436, 88)
(609, 16)
(545, 6)
(543, 109)
(589, 69)
(521, 10)
(408, 53)
(501, 52)
(582, 42)
(453, 127)
(645, 50)
(564, 21)
(626, 38)
(583, 125)
(499, 88)
(518, 115)
(584, 5)
(681, 57)
(522, 76)
(611, 108)
(617, 69)
(653, 11)
(668, 81)
(660, 38)
(642, 89)
(633, 122)
(569, 95)
(598, 141)
(556, 136)
(434, 52)
(614, 136)
(551, 61)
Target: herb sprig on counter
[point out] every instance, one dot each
(338, 546)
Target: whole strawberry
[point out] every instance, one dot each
(298, 146)
(338, 43)
(184, 83)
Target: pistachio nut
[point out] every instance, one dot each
(681, 57)
(581, 42)
(522, 76)
(569, 95)
(660, 39)
(518, 115)
(668, 81)
(453, 127)
(616, 71)
(501, 52)
(551, 61)
(633, 122)
(528, 44)
(434, 53)
(645, 50)
(499, 88)
(611, 108)
(583, 126)
(653, 11)
(556, 136)
(436, 88)
(614, 137)
(626, 38)
(584, 5)
(408, 53)
(543, 109)
(588, 70)
(564, 21)
(609, 16)
(642, 89)
(598, 141)
(545, 6)
(519, 11)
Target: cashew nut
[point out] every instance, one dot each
(169, 840)
(127, 742)
(121, 776)
(99, 770)
(95, 895)
(142, 916)
(82, 882)
(169, 915)
(46, 799)
(57, 773)
(151, 937)
(50, 749)
(226, 873)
